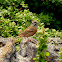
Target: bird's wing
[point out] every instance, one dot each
(30, 30)
(27, 31)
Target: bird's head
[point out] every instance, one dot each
(34, 23)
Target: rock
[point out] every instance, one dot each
(7, 50)
(54, 45)
(28, 49)
(26, 53)
(22, 59)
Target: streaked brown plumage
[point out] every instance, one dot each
(30, 31)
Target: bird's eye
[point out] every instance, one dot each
(35, 22)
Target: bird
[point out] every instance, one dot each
(30, 31)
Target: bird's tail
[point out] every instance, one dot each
(18, 36)
(13, 39)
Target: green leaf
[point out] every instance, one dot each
(47, 53)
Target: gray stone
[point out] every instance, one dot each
(7, 50)
(54, 45)
(28, 49)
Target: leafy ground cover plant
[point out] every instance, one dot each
(42, 37)
(60, 54)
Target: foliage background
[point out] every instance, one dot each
(52, 8)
